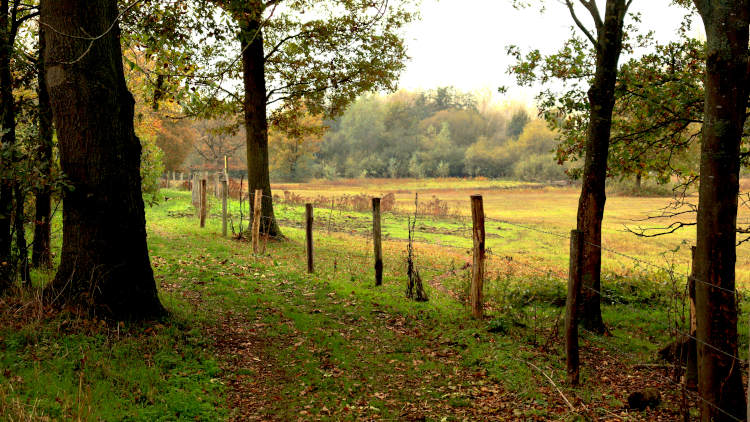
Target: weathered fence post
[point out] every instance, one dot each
(195, 192)
(477, 273)
(257, 214)
(309, 236)
(376, 241)
(571, 315)
(224, 194)
(203, 202)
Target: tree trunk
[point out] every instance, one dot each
(591, 203)
(726, 89)
(256, 124)
(104, 264)
(8, 124)
(41, 255)
(638, 182)
(19, 227)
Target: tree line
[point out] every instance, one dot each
(438, 133)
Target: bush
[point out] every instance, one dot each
(152, 167)
(648, 188)
(539, 168)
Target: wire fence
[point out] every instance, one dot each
(350, 219)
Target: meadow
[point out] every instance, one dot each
(254, 337)
(542, 208)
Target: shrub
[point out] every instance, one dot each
(539, 168)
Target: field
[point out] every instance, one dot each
(254, 337)
(546, 208)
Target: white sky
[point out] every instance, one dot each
(462, 42)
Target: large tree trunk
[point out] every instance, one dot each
(726, 89)
(8, 126)
(256, 124)
(41, 255)
(591, 203)
(104, 264)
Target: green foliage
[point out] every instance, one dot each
(152, 169)
(440, 133)
(538, 168)
(658, 103)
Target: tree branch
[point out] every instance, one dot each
(590, 5)
(580, 24)
(281, 43)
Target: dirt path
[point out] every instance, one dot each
(253, 378)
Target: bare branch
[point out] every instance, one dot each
(644, 232)
(590, 5)
(580, 24)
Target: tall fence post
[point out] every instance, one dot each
(257, 214)
(477, 273)
(571, 315)
(376, 241)
(203, 202)
(309, 236)
(224, 194)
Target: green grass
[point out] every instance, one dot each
(339, 347)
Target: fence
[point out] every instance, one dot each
(472, 263)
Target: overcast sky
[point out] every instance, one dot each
(462, 42)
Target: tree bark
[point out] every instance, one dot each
(104, 266)
(726, 90)
(41, 255)
(256, 123)
(8, 125)
(591, 203)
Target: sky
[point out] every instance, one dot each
(462, 43)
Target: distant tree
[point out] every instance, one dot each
(437, 148)
(176, 139)
(465, 125)
(517, 122)
(217, 139)
(104, 265)
(293, 141)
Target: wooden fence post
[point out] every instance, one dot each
(203, 202)
(376, 241)
(477, 273)
(571, 315)
(224, 194)
(257, 214)
(309, 236)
